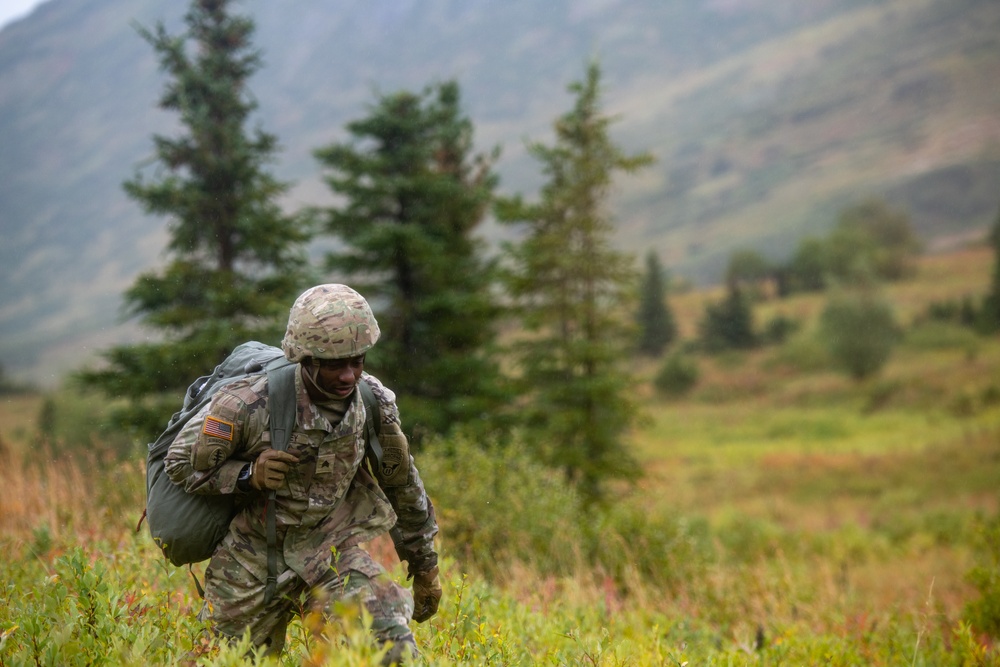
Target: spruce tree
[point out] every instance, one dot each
(236, 261)
(573, 292)
(989, 321)
(414, 193)
(657, 328)
(728, 324)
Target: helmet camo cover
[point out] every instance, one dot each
(329, 322)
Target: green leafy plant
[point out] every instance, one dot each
(859, 330)
(677, 376)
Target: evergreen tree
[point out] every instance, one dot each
(989, 321)
(572, 290)
(657, 328)
(729, 323)
(236, 260)
(414, 194)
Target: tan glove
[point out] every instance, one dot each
(270, 468)
(426, 595)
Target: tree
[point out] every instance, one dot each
(859, 329)
(572, 294)
(808, 269)
(872, 238)
(237, 261)
(414, 194)
(989, 320)
(657, 328)
(748, 269)
(728, 324)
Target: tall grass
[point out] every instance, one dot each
(531, 577)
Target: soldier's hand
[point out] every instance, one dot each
(426, 595)
(270, 468)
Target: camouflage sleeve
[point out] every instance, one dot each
(416, 524)
(201, 457)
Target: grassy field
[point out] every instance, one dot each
(787, 516)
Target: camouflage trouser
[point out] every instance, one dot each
(234, 600)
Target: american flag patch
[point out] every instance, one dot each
(218, 428)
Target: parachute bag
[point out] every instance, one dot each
(186, 526)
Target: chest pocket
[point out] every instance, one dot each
(339, 456)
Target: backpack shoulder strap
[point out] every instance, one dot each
(281, 404)
(281, 408)
(373, 417)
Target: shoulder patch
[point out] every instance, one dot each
(218, 428)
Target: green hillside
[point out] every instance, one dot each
(766, 117)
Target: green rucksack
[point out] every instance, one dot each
(186, 526)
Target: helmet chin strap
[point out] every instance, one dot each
(309, 376)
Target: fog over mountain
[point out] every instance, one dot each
(765, 116)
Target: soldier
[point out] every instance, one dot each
(327, 502)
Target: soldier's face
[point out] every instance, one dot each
(339, 376)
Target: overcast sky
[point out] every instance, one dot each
(15, 9)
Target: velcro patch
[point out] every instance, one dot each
(395, 468)
(218, 428)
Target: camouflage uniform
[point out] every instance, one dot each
(328, 505)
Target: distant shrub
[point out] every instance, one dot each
(807, 271)
(750, 270)
(859, 330)
(959, 311)
(991, 395)
(873, 237)
(779, 329)
(677, 376)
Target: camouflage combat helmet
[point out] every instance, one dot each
(329, 322)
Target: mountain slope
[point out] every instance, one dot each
(766, 117)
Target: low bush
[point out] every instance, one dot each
(499, 504)
(500, 507)
(677, 376)
(779, 329)
(859, 329)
